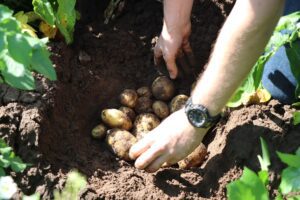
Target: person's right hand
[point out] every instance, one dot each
(173, 44)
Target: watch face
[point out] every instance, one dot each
(197, 117)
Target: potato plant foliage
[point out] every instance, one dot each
(20, 54)
(286, 32)
(252, 186)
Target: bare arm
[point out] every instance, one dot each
(174, 38)
(241, 41)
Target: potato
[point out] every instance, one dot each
(129, 112)
(116, 119)
(144, 123)
(195, 159)
(99, 131)
(144, 92)
(178, 102)
(120, 142)
(161, 109)
(163, 88)
(143, 105)
(128, 98)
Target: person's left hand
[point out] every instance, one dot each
(174, 139)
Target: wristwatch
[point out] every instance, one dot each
(198, 115)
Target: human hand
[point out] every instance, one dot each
(173, 44)
(174, 139)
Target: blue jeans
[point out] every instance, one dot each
(277, 77)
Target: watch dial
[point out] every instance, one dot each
(197, 117)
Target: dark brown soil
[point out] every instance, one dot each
(50, 127)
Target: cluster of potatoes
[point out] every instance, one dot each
(142, 110)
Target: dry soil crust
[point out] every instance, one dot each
(51, 126)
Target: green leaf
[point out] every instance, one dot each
(5, 12)
(19, 48)
(297, 104)
(5, 150)
(66, 18)
(44, 9)
(290, 181)
(288, 22)
(289, 159)
(294, 198)
(296, 118)
(17, 164)
(279, 197)
(265, 159)
(41, 63)
(35, 196)
(16, 75)
(3, 42)
(264, 177)
(2, 172)
(293, 54)
(248, 187)
(10, 24)
(4, 162)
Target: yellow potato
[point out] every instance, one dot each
(129, 112)
(178, 102)
(161, 109)
(116, 119)
(144, 123)
(163, 88)
(128, 98)
(195, 159)
(120, 142)
(143, 105)
(144, 92)
(99, 131)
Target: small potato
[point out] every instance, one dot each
(116, 119)
(161, 109)
(178, 102)
(120, 142)
(143, 105)
(195, 159)
(144, 123)
(129, 112)
(128, 98)
(99, 132)
(163, 88)
(144, 92)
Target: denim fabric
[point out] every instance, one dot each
(277, 77)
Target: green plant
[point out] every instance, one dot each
(252, 83)
(60, 14)
(21, 53)
(8, 159)
(75, 183)
(252, 186)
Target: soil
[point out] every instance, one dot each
(50, 127)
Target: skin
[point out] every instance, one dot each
(241, 41)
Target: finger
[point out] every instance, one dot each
(159, 162)
(158, 55)
(149, 156)
(187, 49)
(137, 149)
(183, 63)
(172, 67)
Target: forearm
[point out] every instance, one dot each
(240, 43)
(177, 14)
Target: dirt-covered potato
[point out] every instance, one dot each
(128, 98)
(161, 109)
(116, 119)
(195, 159)
(144, 123)
(99, 132)
(129, 112)
(144, 92)
(143, 105)
(120, 142)
(178, 102)
(163, 88)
